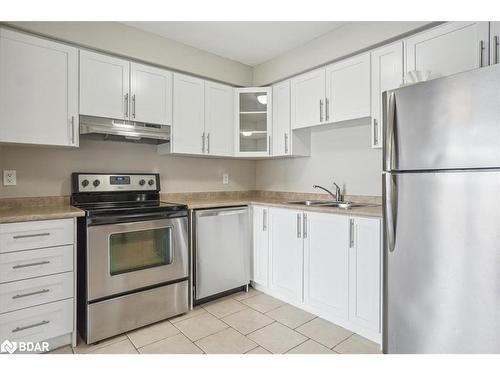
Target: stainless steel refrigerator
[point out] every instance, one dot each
(441, 184)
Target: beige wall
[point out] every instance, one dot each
(128, 41)
(340, 154)
(346, 40)
(46, 171)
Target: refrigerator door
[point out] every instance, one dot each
(447, 123)
(442, 262)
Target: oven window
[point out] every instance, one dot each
(133, 251)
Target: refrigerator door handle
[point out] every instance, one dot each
(390, 115)
(391, 206)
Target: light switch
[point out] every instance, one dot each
(9, 177)
(225, 179)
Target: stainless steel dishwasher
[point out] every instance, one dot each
(221, 250)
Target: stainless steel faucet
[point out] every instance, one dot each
(338, 192)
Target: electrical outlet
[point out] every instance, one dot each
(225, 179)
(9, 177)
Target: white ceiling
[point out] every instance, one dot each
(250, 43)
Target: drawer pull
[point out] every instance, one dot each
(30, 294)
(31, 264)
(43, 322)
(31, 235)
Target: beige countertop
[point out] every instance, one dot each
(207, 201)
(43, 208)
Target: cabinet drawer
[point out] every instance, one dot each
(38, 323)
(36, 234)
(34, 263)
(26, 293)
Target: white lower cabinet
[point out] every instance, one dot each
(324, 263)
(286, 253)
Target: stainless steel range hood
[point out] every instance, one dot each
(124, 131)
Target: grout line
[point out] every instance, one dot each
(347, 338)
(94, 346)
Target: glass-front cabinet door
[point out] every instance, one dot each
(253, 121)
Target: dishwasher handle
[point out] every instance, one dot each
(222, 212)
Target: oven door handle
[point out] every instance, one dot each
(117, 219)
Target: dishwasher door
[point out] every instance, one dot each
(222, 250)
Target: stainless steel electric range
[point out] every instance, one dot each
(133, 258)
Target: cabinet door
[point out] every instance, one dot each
(281, 119)
(348, 89)
(326, 263)
(188, 127)
(364, 272)
(494, 42)
(448, 49)
(308, 99)
(38, 91)
(219, 125)
(261, 245)
(151, 94)
(104, 86)
(387, 74)
(286, 249)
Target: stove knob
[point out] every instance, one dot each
(85, 183)
(96, 183)
(151, 182)
(142, 182)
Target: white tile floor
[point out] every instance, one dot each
(251, 323)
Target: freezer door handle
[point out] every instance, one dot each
(391, 205)
(390, 116)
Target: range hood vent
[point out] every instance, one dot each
(123, 131)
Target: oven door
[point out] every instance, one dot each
(129, 256)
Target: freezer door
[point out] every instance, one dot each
(222, 250)
(442, 262)
(451, 122)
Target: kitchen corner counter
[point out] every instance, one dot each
(214, 200)
(14, 210)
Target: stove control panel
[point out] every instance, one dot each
(115, 182)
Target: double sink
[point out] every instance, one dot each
(336, 204)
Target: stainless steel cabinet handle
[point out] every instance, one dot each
(351, 233)
(264, 220)
(270, 148)
(126, 105)
(389, 155)
(72, 130)
(30, 264)
(390, 214)
(375, 132)
(327, 110)
(304, 221)
(286, 143)
(481, 47)
(30, 326)
(19, 236)
(299, 235)
(203, 143)
(31, 294)
(495, 45)
(208, 143)
(320, 110)
(133, 106)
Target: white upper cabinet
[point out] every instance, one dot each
(308, 99)
(348, 89)
(387, 74)
(150, 94)
(281, 119)
(38, 91)
(326, 263)
(494, 42)
(188, 126)
(104, 86)
(219, 125)
(260, 274)
(448, 49)
(364, 273)
(286, 253)
(253, 118)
